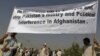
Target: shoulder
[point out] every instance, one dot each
(7, 39)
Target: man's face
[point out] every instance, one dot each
(13, 34)
(44, 45)
(86, 43)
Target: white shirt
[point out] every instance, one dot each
(88, 51)
(59, 53)
(42, 53)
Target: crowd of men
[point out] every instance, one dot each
(44, 51)
(10, 47)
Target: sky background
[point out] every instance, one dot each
(36, 40)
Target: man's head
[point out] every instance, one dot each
(86, 41)
(13, 34)
(45, 45)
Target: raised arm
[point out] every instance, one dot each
(5, 48)
(97, 45)
(3, 37)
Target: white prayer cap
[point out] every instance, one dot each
(45, 44)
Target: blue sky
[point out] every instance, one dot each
(36, 40)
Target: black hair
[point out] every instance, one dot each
(86, 39)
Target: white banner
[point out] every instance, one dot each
(72, 19)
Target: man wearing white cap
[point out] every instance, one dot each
(44, 50)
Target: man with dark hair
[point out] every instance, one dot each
(88, 48)
(86, 41)
(9, 45)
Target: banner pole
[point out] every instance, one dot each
(93, 45)
(94, 35)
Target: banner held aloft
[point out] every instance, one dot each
(78, 19)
